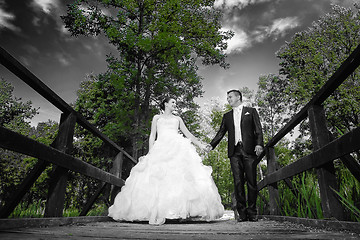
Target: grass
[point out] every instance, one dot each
(33, 210)
(349, 205)
(37, 209)
(306, 203)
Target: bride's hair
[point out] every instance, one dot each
(162, 104)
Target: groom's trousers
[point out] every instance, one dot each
(244, 170)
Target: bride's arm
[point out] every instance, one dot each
(188, 134)
(153, 131)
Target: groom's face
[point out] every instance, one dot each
(233, 99)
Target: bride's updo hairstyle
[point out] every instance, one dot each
(162, 104)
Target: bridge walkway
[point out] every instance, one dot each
(225, 229)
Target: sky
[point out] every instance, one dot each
(33, 32)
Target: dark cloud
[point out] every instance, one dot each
(36, 37)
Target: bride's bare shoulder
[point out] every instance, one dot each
(178, 118)
(156, 117)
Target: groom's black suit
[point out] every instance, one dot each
(242, 156)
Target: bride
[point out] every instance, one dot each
(170, 182)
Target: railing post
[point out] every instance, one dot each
(59, 176)
(273, 188)
(331, 205)
(116, 170)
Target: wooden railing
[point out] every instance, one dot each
(325, 148)
(58, 152)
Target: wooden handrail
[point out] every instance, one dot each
(324, 152)
(35, 83)
(21, 144)
(346, 144)
(341, 74)
(57, 153)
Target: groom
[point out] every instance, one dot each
(245, 142)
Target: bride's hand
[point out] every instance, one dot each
(202, 146)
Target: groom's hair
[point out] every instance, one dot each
(237, 92)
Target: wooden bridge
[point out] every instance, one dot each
(273, 226)
(225, 229)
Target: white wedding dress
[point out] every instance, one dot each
(170, 182)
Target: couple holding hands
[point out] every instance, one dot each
(170, 182)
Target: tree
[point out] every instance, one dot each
(270, 101)
(12, 110)
(248, 96)
(312, 56)
(13, 115)
(159, 43)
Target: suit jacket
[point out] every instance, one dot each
(251, 131)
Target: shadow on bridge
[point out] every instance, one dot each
(326, 150)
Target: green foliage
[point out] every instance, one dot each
(13, 115)
(158, 43)
(17, 166)
(312, 56)
(161, 30)
(349, 191)
(305, 203)
(14, 112)
(222, 173)
(98, 210)
(306, 63)
(36, 210)
(349, 205)
(271, 106)
(303, 199)
(26, 210)
(262, 202)
(14, 166)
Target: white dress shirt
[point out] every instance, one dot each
(237, 121)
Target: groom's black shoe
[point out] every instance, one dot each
(241, 219)
(253, 218)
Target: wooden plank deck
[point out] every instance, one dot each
(224, 229)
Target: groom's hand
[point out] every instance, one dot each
(258, 150)
(207, 148)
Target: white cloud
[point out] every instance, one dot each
(238, 42)
(236, 3)
(62, 59)
(64, 30)
(5, 21)
(241, 23)
(46, 5)
(53, 8)
(278, 28)
(243, 40)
